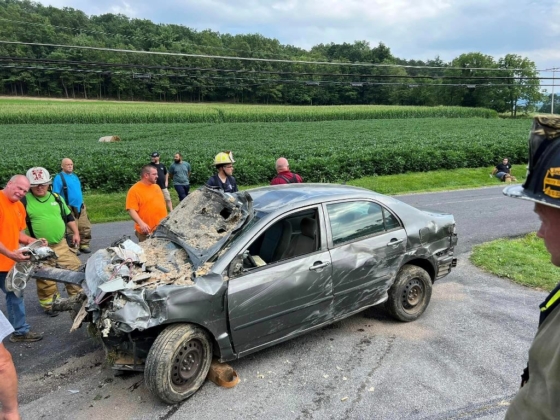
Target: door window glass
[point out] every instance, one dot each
(356, 219)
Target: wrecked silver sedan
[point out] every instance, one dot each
(226, 275)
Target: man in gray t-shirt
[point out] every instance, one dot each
(8, 377)
(180, 172)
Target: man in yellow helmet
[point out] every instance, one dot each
(224, 179)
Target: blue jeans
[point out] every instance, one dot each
(182, 191)
(16, 308)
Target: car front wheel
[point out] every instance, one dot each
(178, 362)
(410, 295)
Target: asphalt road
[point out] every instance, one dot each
(461, 359)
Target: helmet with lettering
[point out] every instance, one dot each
(38, 176)
(223, 158)
(543, 173)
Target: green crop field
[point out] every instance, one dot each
(99, 112)
(329, 151)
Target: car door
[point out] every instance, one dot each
(367, 244)
(273, 300)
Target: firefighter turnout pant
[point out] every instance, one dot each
(46, 289)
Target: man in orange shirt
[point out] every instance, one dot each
(145, 203)
(12, 224)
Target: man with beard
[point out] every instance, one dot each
(180, 172)
(48, 217)
(12, 225)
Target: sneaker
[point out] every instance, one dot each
(51, 313)
(85, 249)
(28, 337)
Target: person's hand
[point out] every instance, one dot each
(144, 228)
(76, 240)
(44, 242)
(20, 254)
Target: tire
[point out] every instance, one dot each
(410, 295)
(178, 362)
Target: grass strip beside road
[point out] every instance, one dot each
(109, 207)
(523, 260)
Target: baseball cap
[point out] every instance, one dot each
(155, 154)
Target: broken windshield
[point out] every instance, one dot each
(204, 222)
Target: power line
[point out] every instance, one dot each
(269, 60)
(388, 76)
(147, 76)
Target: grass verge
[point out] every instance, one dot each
(109, 207)
(523, 260)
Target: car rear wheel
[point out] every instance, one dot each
(178, 362)
(410, 294)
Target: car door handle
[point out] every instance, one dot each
(320, 265)
(395, 242)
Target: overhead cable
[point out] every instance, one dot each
(268, 60)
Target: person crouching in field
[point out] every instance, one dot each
(502, 171)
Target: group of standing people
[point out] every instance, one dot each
(31, 211)
(148, 201)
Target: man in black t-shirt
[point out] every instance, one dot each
(502, 171)
(163, 178)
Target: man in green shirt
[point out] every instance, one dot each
(47, 217)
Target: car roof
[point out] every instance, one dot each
(282, 197)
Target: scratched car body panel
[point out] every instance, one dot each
(262, 266)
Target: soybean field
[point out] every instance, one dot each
(321, 151)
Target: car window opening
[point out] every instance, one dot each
(293, 236)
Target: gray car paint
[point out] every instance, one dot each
(245, 312)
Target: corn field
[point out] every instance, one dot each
(98, 112)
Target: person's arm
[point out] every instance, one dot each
(57, 185)
(16, 255)
(143, 226)
(8, 390)
(170, 172)
(166, 178)
(75, 232)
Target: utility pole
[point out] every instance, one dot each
(552, 96)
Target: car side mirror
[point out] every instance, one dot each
(236, 266)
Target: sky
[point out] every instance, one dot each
(412, 29)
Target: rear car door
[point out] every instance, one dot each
(281, 292)
(367, 244)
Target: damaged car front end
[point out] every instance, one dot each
(225, 275)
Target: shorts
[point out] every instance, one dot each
(501, 175)
(166, 194)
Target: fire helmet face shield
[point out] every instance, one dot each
(543, 175)
(38, 176)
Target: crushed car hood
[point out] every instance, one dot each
(205, 221)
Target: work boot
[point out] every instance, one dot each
(85, 249)
(51, 313)
(28, 337)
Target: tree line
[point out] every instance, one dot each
(48, 71)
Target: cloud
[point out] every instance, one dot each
(412, 29)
